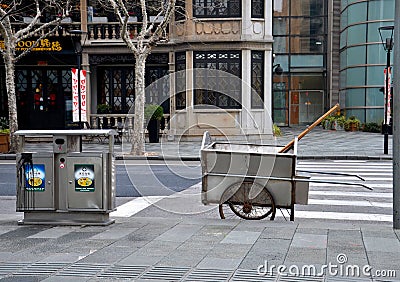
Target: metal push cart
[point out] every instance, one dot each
(253, 181)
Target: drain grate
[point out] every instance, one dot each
(166, 273)
(41, 268)
(83, 269)
(123, 271)
(11, 267)
(349, 279)
(209, 275)
(301, 278)
(245, 275)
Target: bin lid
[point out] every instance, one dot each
(67, 132)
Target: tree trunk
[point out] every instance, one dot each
(138, 130)
(12, 101)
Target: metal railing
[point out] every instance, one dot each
(123, 124)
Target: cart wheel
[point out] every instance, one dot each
(247, 200)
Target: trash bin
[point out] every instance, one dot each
(64, 185)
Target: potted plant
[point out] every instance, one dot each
(340, 120)
(153, 115)
(103, 109)
(4, 135)
(352, 124)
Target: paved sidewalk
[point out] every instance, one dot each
(318, 143)
(198, 249)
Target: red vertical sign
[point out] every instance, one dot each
(76, 93)
(387, 85)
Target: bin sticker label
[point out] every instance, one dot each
(35, 177)
(84, 177)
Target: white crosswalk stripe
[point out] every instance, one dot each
(342, 202)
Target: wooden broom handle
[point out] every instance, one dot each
(308, 129)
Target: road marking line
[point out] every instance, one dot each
(136, 205)
(349, 203)
(352, 194)
(341, 216)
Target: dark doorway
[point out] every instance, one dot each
(43, 97)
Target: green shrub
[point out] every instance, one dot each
(372, 127)
(103, 109)
(4, 123)
(153, 111)
(276, 130)
(352, 122)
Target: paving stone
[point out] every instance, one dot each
(187, 258)
(65, 257)
(229, 250)
(315, 241)
(55, 232)
(268, 246)
(219, 263)
(179, 233)
(114, 233)
(384, 260)
(376, 244)
(108, 255)
(319, 231)
(379, 233)
(306, 255)
(285, 232)
(241, 237)
(134, 259)
(158, 248)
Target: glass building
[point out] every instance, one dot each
(362, 57)
(300, 31)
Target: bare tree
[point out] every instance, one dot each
(14, 30)
(151, 32)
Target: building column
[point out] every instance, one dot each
(246, 114)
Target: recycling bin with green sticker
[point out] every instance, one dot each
(59, 183)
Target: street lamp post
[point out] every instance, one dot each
(388, 46)
(76, 37)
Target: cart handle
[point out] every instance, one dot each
(332, 173)
(301, 135)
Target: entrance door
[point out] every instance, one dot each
(306, 106)
(41, 97)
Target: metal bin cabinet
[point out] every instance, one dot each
(65, 185)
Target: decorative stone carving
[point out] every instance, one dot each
(217, 27)
(257, 28)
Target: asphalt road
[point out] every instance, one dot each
(134, 178)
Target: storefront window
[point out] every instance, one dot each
(257, 79)
(257, 8)
(216, 8)
(221, 86)
(180, 80)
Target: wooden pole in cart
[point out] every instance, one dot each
(301, 135)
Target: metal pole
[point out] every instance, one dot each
(396, 122)
(386, 125)
(79, 98)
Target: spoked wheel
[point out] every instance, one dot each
(247, 200)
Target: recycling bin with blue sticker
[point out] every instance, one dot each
(58, 183)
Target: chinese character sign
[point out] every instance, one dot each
(387, 85)
(76, 93)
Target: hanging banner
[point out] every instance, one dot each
(76, 92)
(387, 85)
